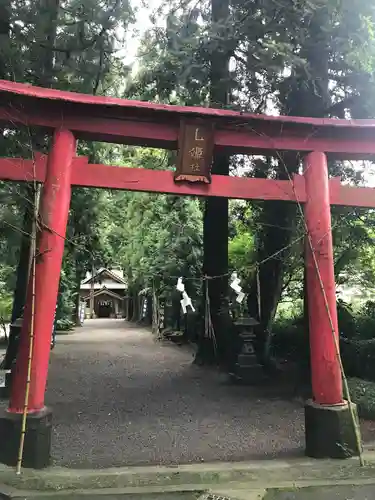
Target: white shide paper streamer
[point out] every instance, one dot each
(186, 300)
(235, 285)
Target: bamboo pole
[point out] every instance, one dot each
(31, 337)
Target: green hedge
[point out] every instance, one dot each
(357, 342)
(362, 392)
(358, 357)
(64, 325)
(6, 300)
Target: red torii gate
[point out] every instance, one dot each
(71, 116)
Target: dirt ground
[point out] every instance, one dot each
(120, 398)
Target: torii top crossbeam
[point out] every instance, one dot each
(115, 120)
(143, 123)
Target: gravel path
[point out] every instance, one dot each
(119, 398)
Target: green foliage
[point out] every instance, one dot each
(362, 393)
(357, 340)
(159, 237)
(67, 45)
(175, 62)
(66, 297)
(240, 252)
(307, 57)
(154, 238)
(358, 358)
(10, 220)
(5, 306)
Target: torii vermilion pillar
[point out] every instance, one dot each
(328, 429)
(54, 211)
(328, 421)
(321, 286)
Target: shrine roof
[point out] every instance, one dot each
(152, 124)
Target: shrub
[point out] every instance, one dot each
(346, 319)
(290, 342)
(6, 301)
(362, 392)
(369, 309)
(365, 321)
(64, 324)
(358, 357)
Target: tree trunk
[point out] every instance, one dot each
(77, 304)
(135, 315)
(215, 222)
(271, 273)
(47, 33)
(148, 317)
(130, 308)
(176, 310)
(303, 94)
(5, 57)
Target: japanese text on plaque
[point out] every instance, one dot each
(195, 153)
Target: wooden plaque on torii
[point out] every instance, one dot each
(195, 152)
